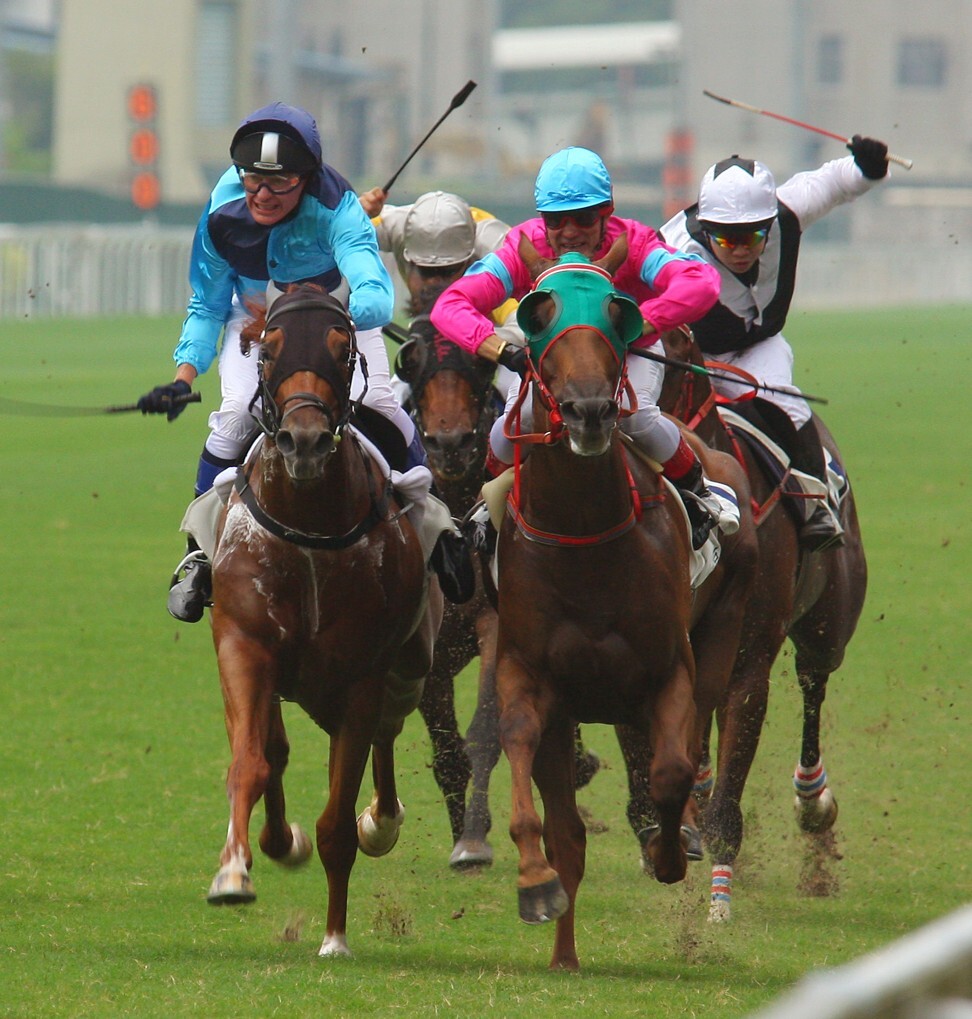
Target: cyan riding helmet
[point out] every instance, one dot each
(737, 192)
(573, 178)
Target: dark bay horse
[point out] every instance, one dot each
(814, 598)
(454, 405)
(595, 603)
(320, 596)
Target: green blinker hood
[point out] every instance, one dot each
(582, 293)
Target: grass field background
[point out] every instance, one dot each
(113, 753)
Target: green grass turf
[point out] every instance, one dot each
(113, 756)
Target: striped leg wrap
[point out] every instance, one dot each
(704, 781)
(721, 884)
(810, 782)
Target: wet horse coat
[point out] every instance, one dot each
(320, 596)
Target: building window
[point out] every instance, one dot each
(216, 61)
(922, 63)
(830, 60)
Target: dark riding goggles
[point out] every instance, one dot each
(750, 239)
(276, 184)
(584, 219)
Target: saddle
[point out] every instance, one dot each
(765, 430)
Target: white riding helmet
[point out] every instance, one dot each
(737, 192)
(439, 230)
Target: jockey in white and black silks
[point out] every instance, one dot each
(749, 231)
(575, 202)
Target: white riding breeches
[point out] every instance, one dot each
(233, 423)
(771, 362)
(656, 435)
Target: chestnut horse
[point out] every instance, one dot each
(453, 403)
(814, 598)
(595, 602)
(320, 596)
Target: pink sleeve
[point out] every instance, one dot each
(461, 313)
(686, 289)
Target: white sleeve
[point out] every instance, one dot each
(490, 234)
(813, 193)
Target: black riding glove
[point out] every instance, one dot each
(168, 399)
(514, 357)
(870, 155)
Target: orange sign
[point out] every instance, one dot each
(146, 191)
(142, 105)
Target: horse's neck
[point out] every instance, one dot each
(332, 503)
(574, 494)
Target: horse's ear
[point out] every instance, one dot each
(616, 255)
(532, 259)
(678, 342)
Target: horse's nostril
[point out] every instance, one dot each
(324, 444)
(431, 442)
(285, 443)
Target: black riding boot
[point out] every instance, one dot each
(699, 503)
(453, 566)
(191, 589)
(823, 529)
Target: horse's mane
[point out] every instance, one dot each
(253, 331)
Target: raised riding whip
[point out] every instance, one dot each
(900, 160)
(457, 100)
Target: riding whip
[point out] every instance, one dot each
(457, 100)
(22, 408)
(900, 160)
(396, 333)
(699, 370)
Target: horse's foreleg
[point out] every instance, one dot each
(522, 720)
(380, 823)
(672, 771)
(816, 807)
(483, 750)
(288, 844)
(337, 835)
(564, 833)
(245, 674)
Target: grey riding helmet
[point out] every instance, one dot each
(439, 230)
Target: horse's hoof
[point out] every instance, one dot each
(470, 854)
(300, 849)
(334, 946)
(691, 843)
(818, 814)
(377, 835)
(231, 887)
(542, 903)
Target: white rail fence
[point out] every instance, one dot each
(52, 272)
(56, 271)
(924, 975)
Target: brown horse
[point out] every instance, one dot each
(320, 596)
(814, 598)
(454, 404)
(595, 603)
